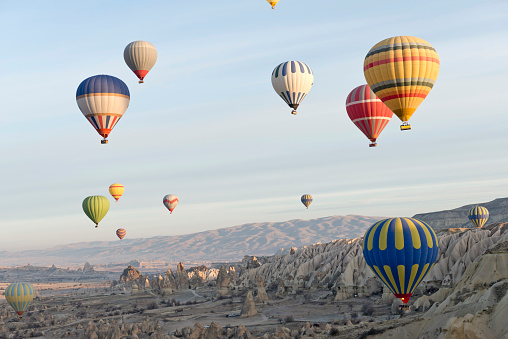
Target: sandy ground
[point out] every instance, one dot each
(97, 301)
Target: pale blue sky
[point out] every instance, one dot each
(208, 127)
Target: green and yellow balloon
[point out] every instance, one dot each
(19, 296)
(96, 207)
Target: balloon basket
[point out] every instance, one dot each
(103, 142)
(374, 144)
(405, 127)
(141, 82)
(293, 112)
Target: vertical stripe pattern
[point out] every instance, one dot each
(292, 81)
(367, 112)
(400, 251)
(19, 296)
(140, 56)
(478, 216)
(401, 71)
(103, 99)
(96, 207)
(306, 200)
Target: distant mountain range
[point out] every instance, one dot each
(220, 245)
(233, 243)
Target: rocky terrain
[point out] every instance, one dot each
(457, 218)
(316, 291)
(221, 245)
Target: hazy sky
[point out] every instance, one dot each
(208, 126)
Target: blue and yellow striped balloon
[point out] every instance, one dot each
(306, 200)
(400, 251)
(478, 215)
(19, 296)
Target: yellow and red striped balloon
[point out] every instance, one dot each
(121, 232)
(401, 71)
(116, 190)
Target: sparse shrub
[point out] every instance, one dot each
(354, 315)
(289, 319)
(152, 306)
(81, 314)
(117, 313)
(334, 331)
(372, 331)
(367, 309)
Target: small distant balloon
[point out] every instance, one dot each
(292, 81)
(19, 296)
(121, 232)
(273, 3)
(170, 201)
(306, 200)
(96, 207)
(140, 56)
(478, 215)
(116, 191)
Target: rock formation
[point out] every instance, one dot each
(130, 274)
(181, 277)
(261, 295)
(249, 307)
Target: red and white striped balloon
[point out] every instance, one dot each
(170, 201)
(367, 112)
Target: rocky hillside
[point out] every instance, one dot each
(456, 218)
(225, 244)
(339, 266)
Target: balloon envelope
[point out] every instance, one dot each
(121, 233)
(170, 201)
(292, 80)
(306, 200)
(478, 215)
(400, 251)
(19, 296)
(103, 99)
(367, 112)
(96, 207)
(401, 71)
(273, 3)
(116, 190)
(140, 56)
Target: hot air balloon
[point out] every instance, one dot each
(103, 99)
(170, 201)
(478, 216)
(401, 71)
(121, 233)
(96, 207)
(306, 200)
(140, 56)
(19, 296)
(292, 80)
(400, 251)
(367, 112)
(273, 3)
(116, 190)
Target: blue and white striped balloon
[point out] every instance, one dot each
(103, 99)
(292, 80)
